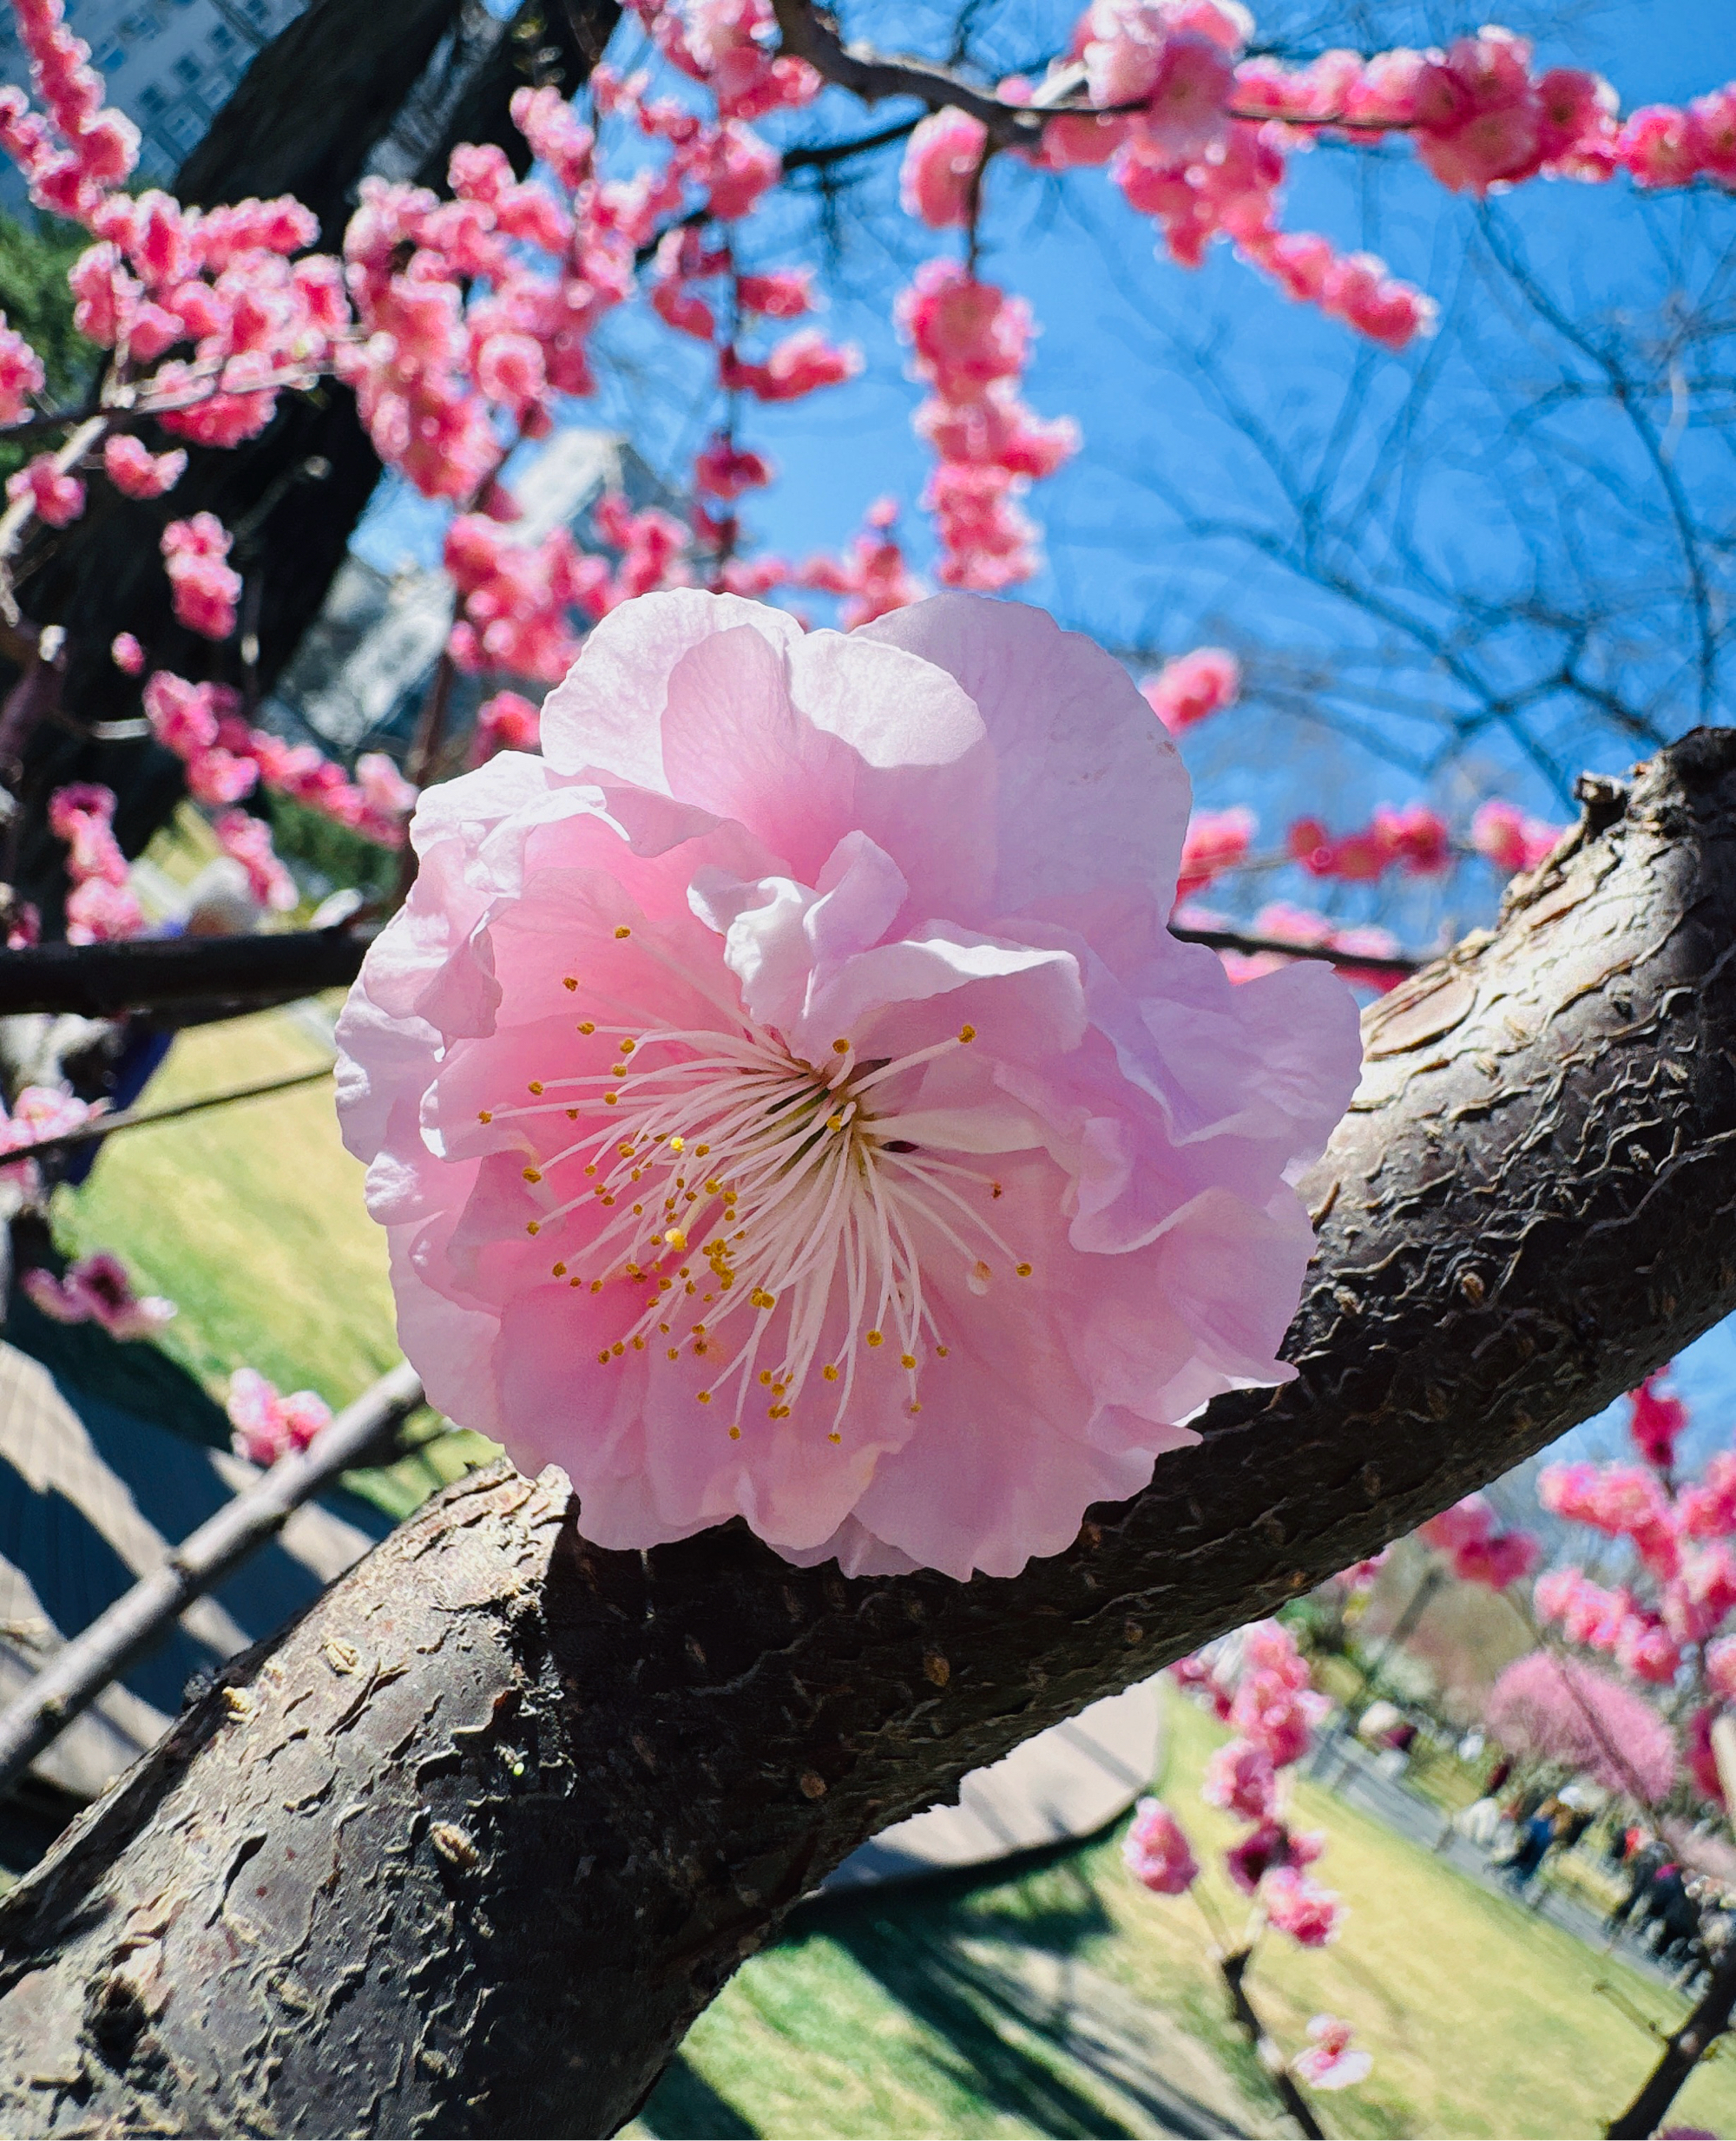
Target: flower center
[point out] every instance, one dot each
(730, 1177)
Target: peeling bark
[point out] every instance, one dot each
(467, 1850)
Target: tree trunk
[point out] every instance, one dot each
(1682, 2053)
(467, 1850)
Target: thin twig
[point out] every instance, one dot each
(135, 1118)
(1362, 961)
(64, 1690)
(1272, 2063)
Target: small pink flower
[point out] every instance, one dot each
(21, 374)
(98, 1289)
(1510, 839)
(1294, 1904)
(942, 161)
(101, 912)
(507, 722)
(1217, 842)
(205, 589)
(1240, 1778)
(1157, 1852)
(725, 470)
(1329, 2062)
(1655, 1421)
(860, 876)
(1466, 1523)
(133, 468)
(268, 1425)
(1503, 1558)
(126, 654)
(1720, 1666)
(56, 500)
(1192, 686)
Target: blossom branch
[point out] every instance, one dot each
(1247, 941)
(1272, 2064)
(100, 1126)
(163, 975)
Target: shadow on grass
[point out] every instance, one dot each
(685, 2107)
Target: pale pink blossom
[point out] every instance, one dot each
(1241, 1779)
(96, 1289)
(1217, 842)
(943, 162)
(56, 499)
(1707, 1508)
(99, 911)
(268, 1425)
(1468, 1522)
(126, 654)
(1510, 840)
(1655, 1421)
(509, 721)
(1192, 686)
(1539, 1708)
(38, 1114)
(1311, 1915)
(1503, 1558)
(1720, 1666)
(915, 878)
(1157, 1852)
(248, 840)
(205, 589)
(1329, 2062)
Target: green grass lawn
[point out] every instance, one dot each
(1483, 2020)
(251, 1218)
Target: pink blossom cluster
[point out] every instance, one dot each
(248, 840)
(21, 374)
(872, 574)
(1506, 836)
(39, 1112)
(971, 341)
(509, 721)
(98, 1289)
(1274, 1711)
(55, 495)
(204, 588)
(136, 472)
(1624, 1502)
(78, 151)
(268, 1425)
(101, 907)
(1192, 687)
(1413, 839)
(1217, 843)
(1479, 1549)
(222, 281)
(516, 600)
(226, 758)
(731, 47)
(1227, 849)
(1330, 2062)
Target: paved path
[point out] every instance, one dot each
(1348, 1768)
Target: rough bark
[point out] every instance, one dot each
(467, 1850)
(1683, 2051)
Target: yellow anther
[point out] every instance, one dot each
(569, 982)
(834, 1436)
(877, 1337)
(735, 1434)
(577, 1282)
(1023, 1269)
(907, 1360)
(704, 1396)
(617, 1349)
(531, 1226)
(537, 1085)
(834, 1122)
(915, 1406)
(597, 1286)
(628, 1047)
(712, 1188)
(700, 1150)
(942, 1350)
(676, 1240)
(766, 1377)
(625, 1148)
(558, 1270)
(608, 1099)
(674, 1352)
(699, 1346)
(602, 1357)
(983, 1270)
(572, 1115)
(588, 1026)
(617, 1070)
(533, 1174)
(484, 1114)
(638, 1345)
(778, 1412)
(840, 1048)
(590, 1167)
(623, 931)
(678, 1145)
(967, 1033)
(829, 1372)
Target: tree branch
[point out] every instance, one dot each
(167, 975)
(100, 1127)
(78, 1674)
(502, 1812)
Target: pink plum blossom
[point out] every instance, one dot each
(21, 373)
(1465, 1523)
(205, 589)
(1192, 686)
(96, 1289)
(1501, 1559)
(1217, 842)
(101, 912)
(1156, 1851)
(1510, 840)
(126, 654)
(1655, 1421)
(1240, 1778)
(1311, 1915)
(943, 160)
(905, 888)
(56, 499)
(509, 721)
(1561, 1710)
(1329, 2061)
(133, 468)
(268, 1425)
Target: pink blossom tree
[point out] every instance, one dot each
(586, 1749)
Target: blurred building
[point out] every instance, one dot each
(169, 65)
(360, 674)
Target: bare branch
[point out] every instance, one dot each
(100, 1127)
(168, 975)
